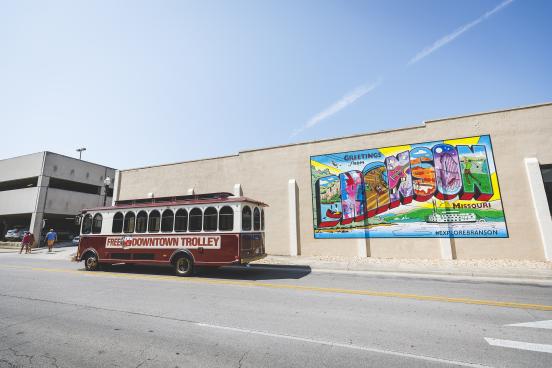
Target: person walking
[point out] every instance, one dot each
(30, 243)
(51, 238)
(25, 242)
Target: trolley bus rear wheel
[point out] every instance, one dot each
(91, 262)
(184, 266)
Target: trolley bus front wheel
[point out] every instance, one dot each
(91, 262)
(184, 266)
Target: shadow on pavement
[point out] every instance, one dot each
(252, 273)
(229, 273)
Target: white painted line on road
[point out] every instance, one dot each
(346, 346)
(267, 334)
(537, 324)
(542, 348)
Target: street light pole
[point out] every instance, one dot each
(107, 181)
(80, 150)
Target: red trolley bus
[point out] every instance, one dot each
(214, 229)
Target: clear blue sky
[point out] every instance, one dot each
(148, 82)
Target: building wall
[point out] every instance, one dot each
(68, 168)
(264, 174)
(59, 201)
(65, 202)
(216, 175)
(43, 201)
(24, 200)
(18, 201)
(21, 167)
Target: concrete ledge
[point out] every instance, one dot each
(492, 269)
(10, 245)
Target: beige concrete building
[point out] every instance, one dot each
(47, 190)
(281, 177)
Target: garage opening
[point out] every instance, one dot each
(546, 171)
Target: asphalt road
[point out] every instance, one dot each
(55, 314)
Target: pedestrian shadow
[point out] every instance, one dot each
(252, 273)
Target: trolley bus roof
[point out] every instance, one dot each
(177, 200)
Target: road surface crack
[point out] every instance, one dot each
(18, 355)
(52, 359)
(242, 359)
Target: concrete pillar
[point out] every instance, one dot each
(446, 248)
(36, 226)
(540, 204)
(363, 245)
(116, 186)
(292, 205)
(238, 190)
(38, 215)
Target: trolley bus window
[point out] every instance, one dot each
(256, 219)
(87, 224)
(117, 225)
(129, 222)
(97, 224)
(262, 219)
(154, 221)
(195, 219)
(181, 220)
(226, 219)
(141, 222)
(210, 219)
(246, 218)
(167, 221)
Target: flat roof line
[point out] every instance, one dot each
(78, 159)
(57, 154)
(27, 154)
(336, 138)
(525, 107)
(423, 125)
(181, 162)
(276, 147)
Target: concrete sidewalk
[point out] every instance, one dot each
(11, 247)
(430, 267)
(498, 269)
(58, 253)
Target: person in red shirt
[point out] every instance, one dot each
(25, 242)
(30, 243)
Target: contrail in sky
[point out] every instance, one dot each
(450, 37)
(337, 106)
(358, 92)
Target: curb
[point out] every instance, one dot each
(482, 276)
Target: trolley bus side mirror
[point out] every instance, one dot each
(78, 219)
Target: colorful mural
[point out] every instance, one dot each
(443, 189)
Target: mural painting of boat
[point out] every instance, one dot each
(450, 216)
(332, 214)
